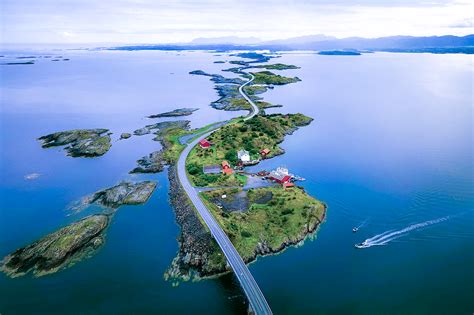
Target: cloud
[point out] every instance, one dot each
(135, 21)
(466, 23)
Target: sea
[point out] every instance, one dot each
(390, 151)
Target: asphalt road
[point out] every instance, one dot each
(254, 295)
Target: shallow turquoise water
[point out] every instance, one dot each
(391, 144)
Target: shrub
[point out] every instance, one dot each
(245, 234)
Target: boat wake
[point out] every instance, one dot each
(388, 236)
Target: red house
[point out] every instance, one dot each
(264, 152)
(280, 175)
(226, 168)
(204, 144)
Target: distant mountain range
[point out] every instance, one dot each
(435, 44)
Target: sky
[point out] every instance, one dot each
(171, 21)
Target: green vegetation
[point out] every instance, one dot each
(254, 135)
(268, 77)
(275, 219)
(278, 66)
(59, 249)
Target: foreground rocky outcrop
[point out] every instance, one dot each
(59, 249)
(80, 142)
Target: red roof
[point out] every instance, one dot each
(204, 143)
(282, 179)
(227, 171)
(288, 184)
(265, 151)
(225, 164)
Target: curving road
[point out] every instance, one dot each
(254, 295)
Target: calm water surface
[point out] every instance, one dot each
(391, 145)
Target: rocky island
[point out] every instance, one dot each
(175, 113)
(80, 142)
(59, 249)
(125, 193)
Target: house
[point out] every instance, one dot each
(264, 152)
(226, 169)
(288, 185)
(211, 169)
(204, 144)
(280, 175)
(243, 155)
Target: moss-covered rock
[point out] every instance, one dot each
(125, 193)
(58, 249)
(80, 142)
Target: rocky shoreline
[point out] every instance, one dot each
(195, 241)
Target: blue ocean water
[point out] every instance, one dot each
(391, 145)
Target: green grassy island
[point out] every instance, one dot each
(277, 66)
(274, 219)
(261, 132)
(268, 77)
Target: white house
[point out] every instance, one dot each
(243, 155)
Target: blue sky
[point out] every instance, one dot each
(165, 21)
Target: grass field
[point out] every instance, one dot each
(275, 217)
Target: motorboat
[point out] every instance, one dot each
(361, 245)
(355, 229)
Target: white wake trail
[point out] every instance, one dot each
(385, 237)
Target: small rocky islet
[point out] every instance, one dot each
(80, 142)
(124, 193)
(59, 249)
(175, 113)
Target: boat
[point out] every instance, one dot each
(355, 229)
(361, 245)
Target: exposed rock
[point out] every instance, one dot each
(175, 113)
(195, 242)
(80, 142)
(58, 249)
(125, 193)
(152, 163)
(155, 161)
(161, 127)
(217, 78)
(125, 135)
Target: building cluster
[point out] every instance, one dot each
(243, 157)
(280, 175)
